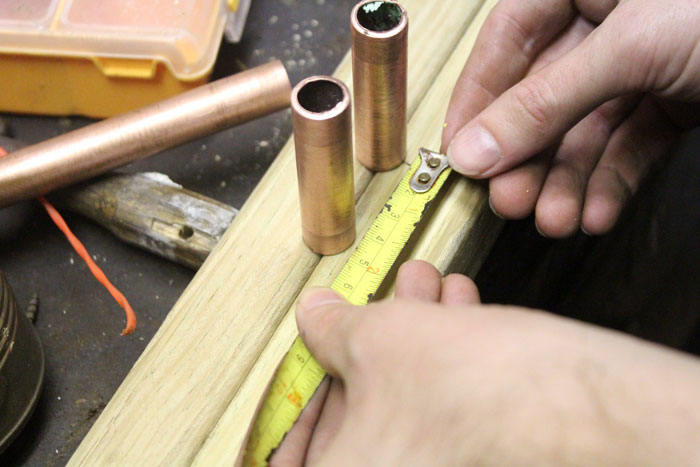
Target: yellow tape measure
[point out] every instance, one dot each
(299, 375)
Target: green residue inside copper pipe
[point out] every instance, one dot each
(379, 16)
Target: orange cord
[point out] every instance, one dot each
(94, 268)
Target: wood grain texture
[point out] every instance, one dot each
(173, 398)
(459, 233)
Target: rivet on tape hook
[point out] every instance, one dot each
(431, 166)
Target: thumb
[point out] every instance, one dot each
(534, 114)
(324, 319)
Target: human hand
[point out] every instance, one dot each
(565, 105)
(421, 383)
(321, 419)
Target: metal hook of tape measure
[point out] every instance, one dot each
(432, 165)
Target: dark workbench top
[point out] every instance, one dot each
(642, 278)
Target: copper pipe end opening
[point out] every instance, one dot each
(322, 118)
(379, 18)
(320, 97)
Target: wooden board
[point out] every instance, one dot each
(458, 235)
(191, 395)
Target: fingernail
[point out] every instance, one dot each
(473, 151)
(539, 231)
(493, 210)
(313, 298)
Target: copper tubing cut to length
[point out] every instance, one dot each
(322, 118)
(102, 146)
(379, 66)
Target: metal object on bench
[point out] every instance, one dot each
(379, 68)
(322, 118)
(21, 367)
(100, 147)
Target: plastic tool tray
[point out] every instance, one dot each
(103, 57)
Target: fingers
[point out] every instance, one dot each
(560, 205)
(324, 319)
(294, 447)
(568, 40)
(596, 10)
(512, 36)
(459, 290)
(642, 139)
(327, 323)
(514, 194)
(534, 113)
(329, 422)
(418, 280)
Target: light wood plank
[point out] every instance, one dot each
(188, 375)
(458, 235)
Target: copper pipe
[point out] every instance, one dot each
(322, 120)
(379, 68)
(114, 142)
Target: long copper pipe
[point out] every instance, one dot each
(322, 118)
(379, 67)
(114, 142)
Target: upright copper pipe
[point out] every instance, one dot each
(322, 120)
(108, 144)
(379, 68)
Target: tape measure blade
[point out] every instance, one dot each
(296, 381)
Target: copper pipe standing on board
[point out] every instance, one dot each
(322, 119)
(114, 142)
(379, 69)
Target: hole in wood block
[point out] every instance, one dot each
(186, 232)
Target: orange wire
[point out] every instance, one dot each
(94, 268)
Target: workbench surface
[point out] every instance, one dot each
(642, 278)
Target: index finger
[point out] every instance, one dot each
(512, 37)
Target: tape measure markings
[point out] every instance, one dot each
(373, 261)
(291, 385)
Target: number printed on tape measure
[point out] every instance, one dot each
(299, 374)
